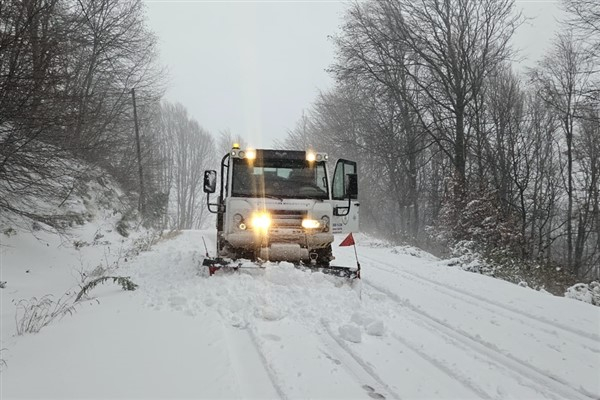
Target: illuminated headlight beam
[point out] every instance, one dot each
(260, 220)
(310, 224)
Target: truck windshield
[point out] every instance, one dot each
(280, 178)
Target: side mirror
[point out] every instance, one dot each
(210, 181)
(351, 186)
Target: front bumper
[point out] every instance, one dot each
(250, 240)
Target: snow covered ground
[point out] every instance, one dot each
(413, 328)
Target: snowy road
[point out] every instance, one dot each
(417, 330)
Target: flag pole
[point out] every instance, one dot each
(357, 263)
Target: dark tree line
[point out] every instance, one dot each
(67, 68)
(455, 148)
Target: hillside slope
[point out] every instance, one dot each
(415, 329)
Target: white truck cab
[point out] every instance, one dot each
(279, 205)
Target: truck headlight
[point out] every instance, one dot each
(260, 220)
(310, 224)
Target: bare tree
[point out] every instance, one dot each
(457, 44)
(586, 257)
(226, 140)
(191, 151)
(585, 19)
(448, 135)
(374, 64)
(563, 76)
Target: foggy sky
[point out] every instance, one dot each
(253, 66)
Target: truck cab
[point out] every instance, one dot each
(279, 205)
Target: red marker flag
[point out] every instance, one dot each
(349, 241)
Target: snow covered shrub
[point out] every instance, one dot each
(467, 256)
(584, 292)
(143, 243)
(78, 244)
(123, 228)
(482, 235)
(124, 281)
(477, 216)
(97, 272)
(34, 314)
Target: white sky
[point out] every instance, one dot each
(253, 66)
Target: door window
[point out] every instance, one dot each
(342, 169)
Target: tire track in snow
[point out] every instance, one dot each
(448, 289)
(361, 370)
(544, 382)
(442, 366)
(241, 342)
(272, 375)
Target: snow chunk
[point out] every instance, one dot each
(270, 313)
(284, 274)
(361, 319)
(376, 328)
(351, 333)
(584, 292)
(177, 302)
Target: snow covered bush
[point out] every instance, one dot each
(584, 292)
(34, 314)
(484, 237)
(466, 256)
(124, 281)
(483, 222)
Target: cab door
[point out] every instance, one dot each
(344, 197)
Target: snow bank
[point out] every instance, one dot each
(272, 292)
(584, 292)
(416, 330)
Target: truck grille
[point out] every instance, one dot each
(287, 218)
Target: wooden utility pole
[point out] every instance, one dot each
(142, 202)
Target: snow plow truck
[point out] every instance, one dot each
(279, 205)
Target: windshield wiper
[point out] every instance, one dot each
(311, 198)
(280, 198)
(270, 196)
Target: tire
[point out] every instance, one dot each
(324, 256)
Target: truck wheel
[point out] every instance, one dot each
(324, 256)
